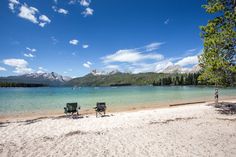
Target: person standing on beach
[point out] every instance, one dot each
(216, 96)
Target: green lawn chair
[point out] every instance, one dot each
(71, 108)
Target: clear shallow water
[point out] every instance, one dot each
(20, 100)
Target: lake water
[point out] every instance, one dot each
(20, 100)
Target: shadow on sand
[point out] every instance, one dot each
(227, 108)
(4, 124)
(35, 120)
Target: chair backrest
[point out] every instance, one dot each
(101, 106)
(71, 106)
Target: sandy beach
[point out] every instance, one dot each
(190, 130)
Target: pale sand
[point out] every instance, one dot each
(192, 130)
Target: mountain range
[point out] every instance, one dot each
(96, 78)
(51, 79)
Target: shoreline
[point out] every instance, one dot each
(90, 112)
(185, 130)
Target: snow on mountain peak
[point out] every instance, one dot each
(50, 76)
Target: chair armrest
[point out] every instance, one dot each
(65, 110)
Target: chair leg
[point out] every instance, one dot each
(72, 115)
(96, 114)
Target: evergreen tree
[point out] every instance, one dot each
(218, 58)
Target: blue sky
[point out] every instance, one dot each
(73, 37)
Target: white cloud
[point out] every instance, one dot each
(42, 24)
(28, 13)
(166, 21)
(190, 60)
(112, 67)
(87, 64)
(35, 9)
(44, 18)
(140, 68)
(29, 55)
(41, 70)
(160, 66)
(2, 69)
(54, 8)
(73, 1)
(23, 70)
(14, 1)
(88, 12)
(131, 56)
(31, 49)
(74, 42)
(62, 11)
(85, 3)
(191, 50)
(85, 46)
(20, 65)
(143, 67)
(138, 60)
(13, 4)
(153, 46)
(135, 60)
(15, 62)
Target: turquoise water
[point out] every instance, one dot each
(20, 100)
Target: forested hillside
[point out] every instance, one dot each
(119, 79)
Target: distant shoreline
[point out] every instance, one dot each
(112, 85)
